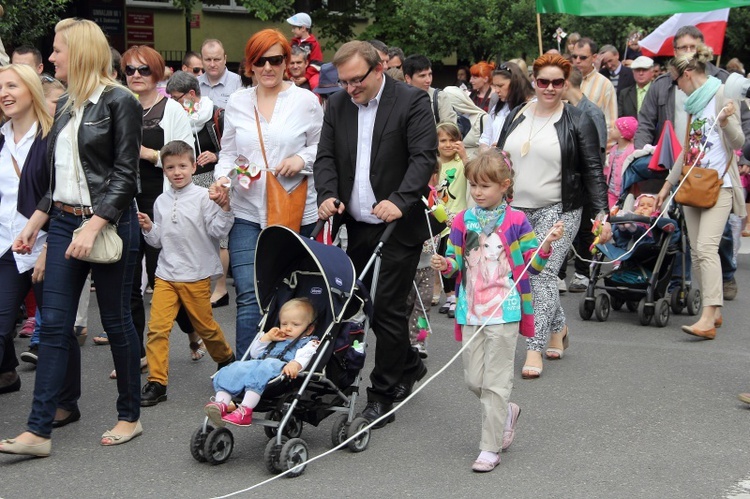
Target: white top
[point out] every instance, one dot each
(491, 132)
(11, 221)
(176, 125)
(715, 154)
(294, 129)
(363, 197)
(303, 355)
(538, 175)
(219, 92)
(187, 227)
(69, 187)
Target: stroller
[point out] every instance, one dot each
(643, 277)
(330, 384)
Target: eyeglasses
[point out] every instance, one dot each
(197, 71)
(355, 82)
(274, 60)
(557, 83)
(579, 57)
(179, 96)
(142, 70)
(47, 79)
(686, 48)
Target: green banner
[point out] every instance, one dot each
(644, 8)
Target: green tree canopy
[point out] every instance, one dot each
(26, 21)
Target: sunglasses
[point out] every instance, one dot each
(142, 70)
(274, 60)
(579, 57)
(197, 71)
(557, 83)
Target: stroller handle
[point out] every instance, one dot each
(387, 233)
(383, 239)
(318, 227)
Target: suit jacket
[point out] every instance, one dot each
(625, 80)
(627, 102)
(402, 160)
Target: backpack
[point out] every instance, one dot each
(463, 121)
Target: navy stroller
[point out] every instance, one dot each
(644, 274)
(289, 266)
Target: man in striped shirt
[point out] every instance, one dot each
(596, 87)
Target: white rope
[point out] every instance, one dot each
(395, 408)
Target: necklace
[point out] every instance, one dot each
(145, 113)
(526, 147)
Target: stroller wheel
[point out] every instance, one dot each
(218, 446)
(293, 428)
(338, 432)
(645, 312)
(586, 308)
(272, 455)
(677, 300)
(294, 455)
(601, 307)
(616, 303)
(694, 301)
(661, 312)
(360, 443)
(197, 440)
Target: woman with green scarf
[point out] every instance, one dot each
(714, 133)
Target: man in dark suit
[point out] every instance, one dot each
(611, 67)
(629, 100)
(377, 151)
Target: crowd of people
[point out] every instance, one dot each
(523, 162)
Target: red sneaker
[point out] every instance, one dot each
(215, 412)
(28, 328)
(242, 416)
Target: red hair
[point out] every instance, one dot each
(483, 69)
(260, 43)
(553, 60)
(151, 57)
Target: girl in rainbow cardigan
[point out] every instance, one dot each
(488, 247)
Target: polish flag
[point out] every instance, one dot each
(712, 24)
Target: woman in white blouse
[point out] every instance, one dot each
(24, 177)
(290, 119)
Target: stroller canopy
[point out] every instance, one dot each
(280, 251)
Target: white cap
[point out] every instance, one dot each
(300, 19)
(642, 62)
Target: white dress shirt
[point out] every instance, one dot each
(187, 227)
(11, 221)
(363, 197)
(220, 91)
(294, 130)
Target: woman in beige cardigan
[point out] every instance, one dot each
(705, 105)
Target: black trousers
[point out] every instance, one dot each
(395, 360)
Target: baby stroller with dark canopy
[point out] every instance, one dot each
(644, 274)
(288, 266)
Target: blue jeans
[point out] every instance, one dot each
(243, 238)
(13, 290)
(726, 256)
(58, 375)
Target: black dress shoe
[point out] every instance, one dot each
(153, 393)
(373, 410)
(221, 302)
(226, 362)
(74, 416)
(32, 355)
(9, 382)
(404, 388)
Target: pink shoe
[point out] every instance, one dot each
(510, 425)
(242, 416)
(215, 412)
(28, 328)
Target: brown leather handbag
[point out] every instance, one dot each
(282, 207)
(700, 187)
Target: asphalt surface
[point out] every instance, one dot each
(630, 412)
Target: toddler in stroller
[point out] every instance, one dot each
(286, 349)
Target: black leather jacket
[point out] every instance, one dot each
(582, 174)
(109, 145)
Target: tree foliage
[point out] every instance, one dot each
(26, 21)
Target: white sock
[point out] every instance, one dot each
(251, 399)
(488, 456)
(223, 397)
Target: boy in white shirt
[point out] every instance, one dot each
(187, 227)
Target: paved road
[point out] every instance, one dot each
(630, 412)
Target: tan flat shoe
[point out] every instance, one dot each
(13, 446)
(109, 438)
(708, 334)
(557, 353)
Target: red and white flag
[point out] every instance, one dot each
(712, 24)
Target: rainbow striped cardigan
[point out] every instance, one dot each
(520, 242)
